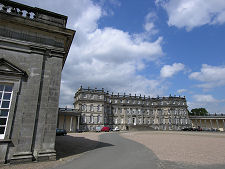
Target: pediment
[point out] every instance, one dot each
(8, 68)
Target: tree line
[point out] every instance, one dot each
(198, 112)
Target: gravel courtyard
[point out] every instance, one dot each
(174, 150)
(197, 148)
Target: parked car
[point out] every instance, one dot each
(116, 129)
(188, 129)
(61, 132)
(195, 129)
(98, 129)
(105, 129)
(80, 130)
(199, 128)
(185, 129)
(214, 129)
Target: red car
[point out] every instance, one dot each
(105, 129)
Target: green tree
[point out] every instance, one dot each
(198, 112)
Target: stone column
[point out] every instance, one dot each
(217, 124)
(211, 123)
(64, 122)
(223, 125)
(200, 123)
(205, 124)
(78, 122)
(71, 123)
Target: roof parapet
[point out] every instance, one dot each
(33, 13)
(95, 90)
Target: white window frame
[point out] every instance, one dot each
(116, 120)
(139, 121)
(84, 118)
(122, 121)
(98, 119)
(2, 136)
(91, 107)
(139, 111)
(91, 119)
(129, 120)
(98, 108)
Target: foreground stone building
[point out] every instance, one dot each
(34, 44)
(99, 108)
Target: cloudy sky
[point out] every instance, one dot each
(148, 47)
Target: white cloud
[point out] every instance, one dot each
(170, 70)
(207, 101)
(107, 57)
(204, 98)
(181, 90)
(211, 76)
(193, 13)
(149, 24)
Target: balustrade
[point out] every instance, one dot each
(32, 13)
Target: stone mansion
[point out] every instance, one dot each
(99, 108)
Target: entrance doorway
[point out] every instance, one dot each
(134, 120)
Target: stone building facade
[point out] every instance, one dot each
(99, 108)
(209, 122)
(34, 44)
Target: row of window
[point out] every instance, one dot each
(149, 111)
(150, 121)
(115, 101)
(91, 119)
(91, 107)
(5, 102)
(90, 96)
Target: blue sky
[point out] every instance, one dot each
(146, 47)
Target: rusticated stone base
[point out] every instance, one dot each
(46, 155)
(21, 158)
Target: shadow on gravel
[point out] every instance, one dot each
(68, 145)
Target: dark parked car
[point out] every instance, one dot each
(80, 130)
(105, 129)
(61, 132)
(188, 129)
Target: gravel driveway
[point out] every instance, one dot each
(184, 149)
